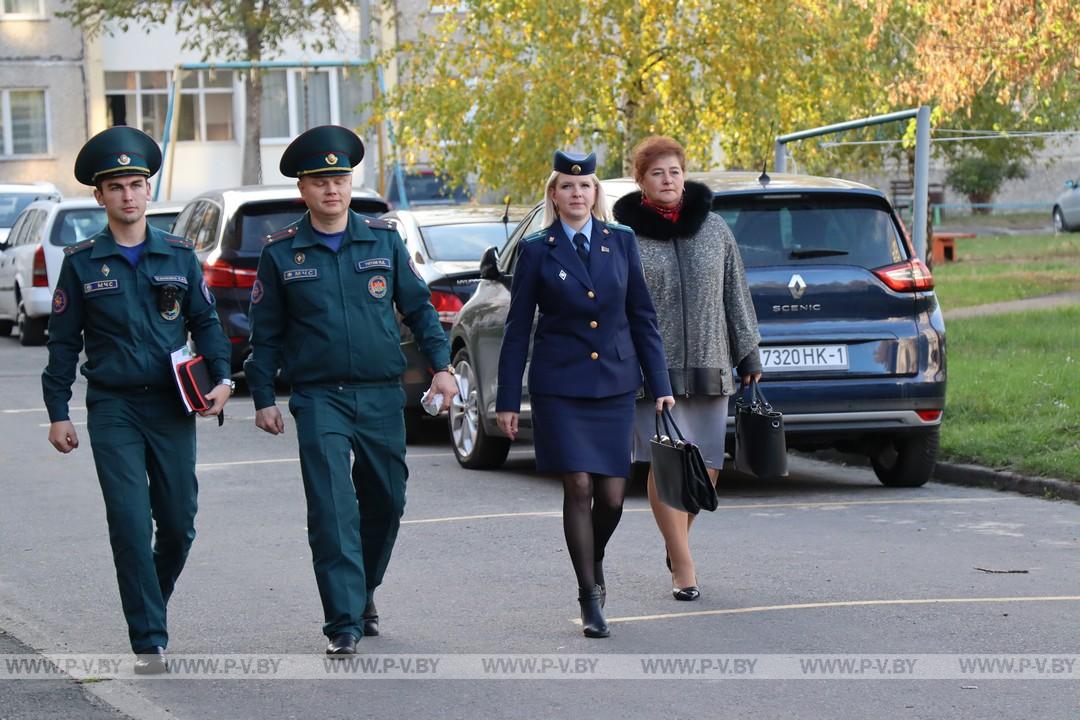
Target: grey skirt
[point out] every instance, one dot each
(701, 418)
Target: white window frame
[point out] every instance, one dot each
(7, 142)
(202, 91)
(293, 88)
(139, 92)
(40, 15)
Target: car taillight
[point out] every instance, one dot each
(223, 274)
(41, 275)
(929, 415)
(447, 305)
(907, 276)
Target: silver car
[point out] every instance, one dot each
(1067, 208)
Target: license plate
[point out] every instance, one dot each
(804, 357)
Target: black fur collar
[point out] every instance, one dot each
(697, 202)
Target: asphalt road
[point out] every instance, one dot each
(825, 563)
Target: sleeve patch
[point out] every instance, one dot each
(59, 302)
(415, 271)
(256, 292)
(207, 295)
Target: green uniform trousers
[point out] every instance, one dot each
(144, 451)
(353, 515)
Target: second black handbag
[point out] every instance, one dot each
(760, 445)
(682, 480)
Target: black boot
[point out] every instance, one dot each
(371, 619)
(150, 661)
(592, 616)
(598, 573)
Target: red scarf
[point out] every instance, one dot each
(671, 214)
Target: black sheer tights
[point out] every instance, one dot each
(592, 506)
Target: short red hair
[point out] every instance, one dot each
(650, 149)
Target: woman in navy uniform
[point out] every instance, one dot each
(595, 334)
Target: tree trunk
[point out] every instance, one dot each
(252, 168)
(252, 171)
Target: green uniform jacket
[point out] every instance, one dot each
(101, 298)
(329, 318)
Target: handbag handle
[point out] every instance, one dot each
(757, 397)
(669, 424)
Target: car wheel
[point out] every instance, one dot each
(908, 460)
(31, 330)
(473, 447)
(1059, 221)
(6, 326)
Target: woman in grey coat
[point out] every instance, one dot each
(706, 317)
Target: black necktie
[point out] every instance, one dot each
(579, 243)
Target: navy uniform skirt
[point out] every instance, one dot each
(593, 435)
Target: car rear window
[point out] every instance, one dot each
(11, 205)
(162, 221)
(466, 241)
(255, 221)
(74, 226)
(823, 229)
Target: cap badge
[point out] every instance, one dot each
(331, 159)
(123, 159)
(576, 169)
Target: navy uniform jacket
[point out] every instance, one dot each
(597, 328)
(101, 298)
(326, 317)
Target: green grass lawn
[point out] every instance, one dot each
(994, 268)
(953, 219)
(1014, 392)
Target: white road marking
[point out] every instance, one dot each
(842, 604)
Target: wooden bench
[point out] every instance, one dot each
(943, 245)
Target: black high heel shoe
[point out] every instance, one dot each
(686, 594)
(592, 616)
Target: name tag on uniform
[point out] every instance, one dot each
(373, 264)
(304, 274)
(165, 279)
(100, 286)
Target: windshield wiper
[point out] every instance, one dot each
(816, 253)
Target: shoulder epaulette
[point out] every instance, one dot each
(534, 237)
(281, 234)
(72, 249)
(177, 241)
(380, 224)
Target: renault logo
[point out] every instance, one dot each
(797, 286)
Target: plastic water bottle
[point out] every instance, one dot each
(432, 405)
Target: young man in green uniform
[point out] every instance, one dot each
(132, 293)
(322, 311)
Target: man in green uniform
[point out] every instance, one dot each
(322, 311)
(132, 293)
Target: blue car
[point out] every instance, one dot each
(853, 340)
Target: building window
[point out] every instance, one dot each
(141, 100)
(296, 100)
(24, 126)
(22, 9)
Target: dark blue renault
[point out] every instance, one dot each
(853, 340)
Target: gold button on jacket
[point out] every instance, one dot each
(595, 356)
(594, 324)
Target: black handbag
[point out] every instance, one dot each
(682, 480)
(760, 446)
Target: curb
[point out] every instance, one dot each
(977, 476)
(948, 473)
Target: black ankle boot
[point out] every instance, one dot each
(598, 573)
(592, 616)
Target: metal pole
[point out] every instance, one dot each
(922, 180)
(173, 115)
(780, 162)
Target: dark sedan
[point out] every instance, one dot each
(229, 228)
(853, 340)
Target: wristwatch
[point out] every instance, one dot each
(450, 369)
(231, 383)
